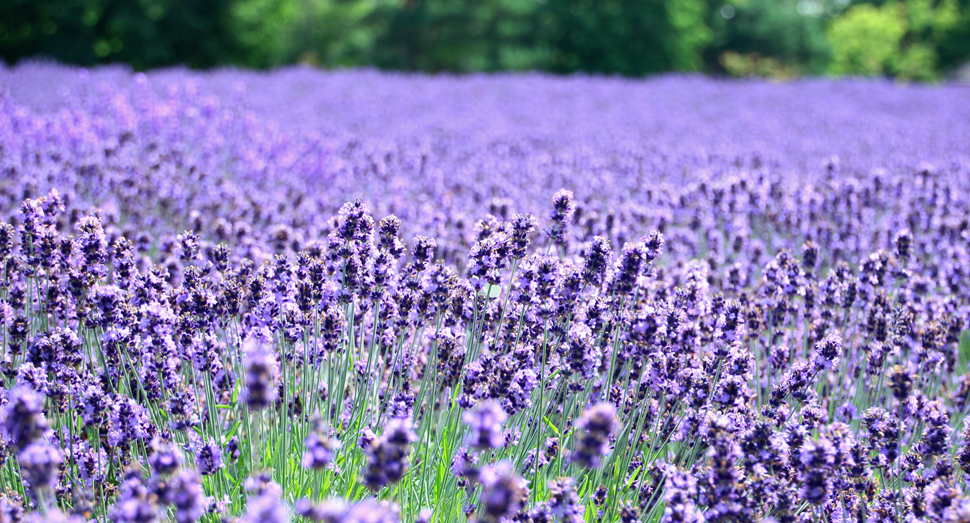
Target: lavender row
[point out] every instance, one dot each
(261, 161)
(214, 308)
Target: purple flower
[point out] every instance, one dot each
(266, 508)
(22, 419)
(166, 458)
(564, 502)
(900, 381)
(189, 244)
(424, 516)
(340, 511)
(53, 515)
(188, 497)
(463, 464)
(816, 461)
(680, 491)
(503, 492)
(594, 429)
(389, 456)
(562, 210)
(522, 226)
(319, 448)
(262, 484)
(134, 505)
(486, 425)
(388, 230)
(582, 352)
(423, 251)
(208, 459)
(94, 246)
(39, 465)
(129, 422)
(828, 352)
(262, 373)
(596, 259)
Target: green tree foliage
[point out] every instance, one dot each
(328, 33)
(954, 48)
(767, 32)
(866, 39)
(629, 37)
(895, 38)
(459, 35)
(909, 39)
(144, 33)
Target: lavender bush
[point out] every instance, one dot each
(358, 297)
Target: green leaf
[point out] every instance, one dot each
(233, 430)
(964, 352)
(633, 476)
(551, 426)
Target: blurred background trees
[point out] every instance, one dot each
(902, 39)
(777, 38)
(144, 33)
(907, 39)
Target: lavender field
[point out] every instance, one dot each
(362, 297)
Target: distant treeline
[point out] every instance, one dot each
(911, 39)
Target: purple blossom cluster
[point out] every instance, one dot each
(526, 299)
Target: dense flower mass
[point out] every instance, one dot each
(360, 297)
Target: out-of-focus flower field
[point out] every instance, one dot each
(361, 297)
